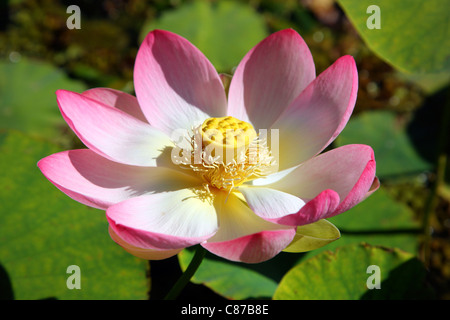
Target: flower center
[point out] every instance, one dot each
(225, 152)
(227, 136)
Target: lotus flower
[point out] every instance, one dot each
(238, 209)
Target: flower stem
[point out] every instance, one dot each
(187, 275)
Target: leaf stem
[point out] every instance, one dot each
(431, 206)
(187, 274)
(441, 163)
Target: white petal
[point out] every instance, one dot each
(270, 203)
(166, 220)
(237, 220)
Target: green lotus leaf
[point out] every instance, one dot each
(43, 233)
(224, 31)
(356, 272)
(413, 36)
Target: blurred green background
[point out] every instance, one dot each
(402, 111)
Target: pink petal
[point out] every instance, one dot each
(333, 182)
(98, 182)
(269, 78)
(175, 83)
(318, 115)
(111, 132)
(167, 220)
(117, 99)
(242, 235)
(147, 254)
(254, 248)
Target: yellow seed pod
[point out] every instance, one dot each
(226, 138)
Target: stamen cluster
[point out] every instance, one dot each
(226, 152)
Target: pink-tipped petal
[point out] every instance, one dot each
(318, 114)
(111, 132)
(242, 235)
(147, 254)
(117, 99)
(373, 188)
(254, 248)
(269, 78)
(176, 85)
(366, 185)
(320, 207)
(98, 182)
(330, 183)
(269, 203)
(167, 220)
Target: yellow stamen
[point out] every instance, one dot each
(226, 138)
(230, 153)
